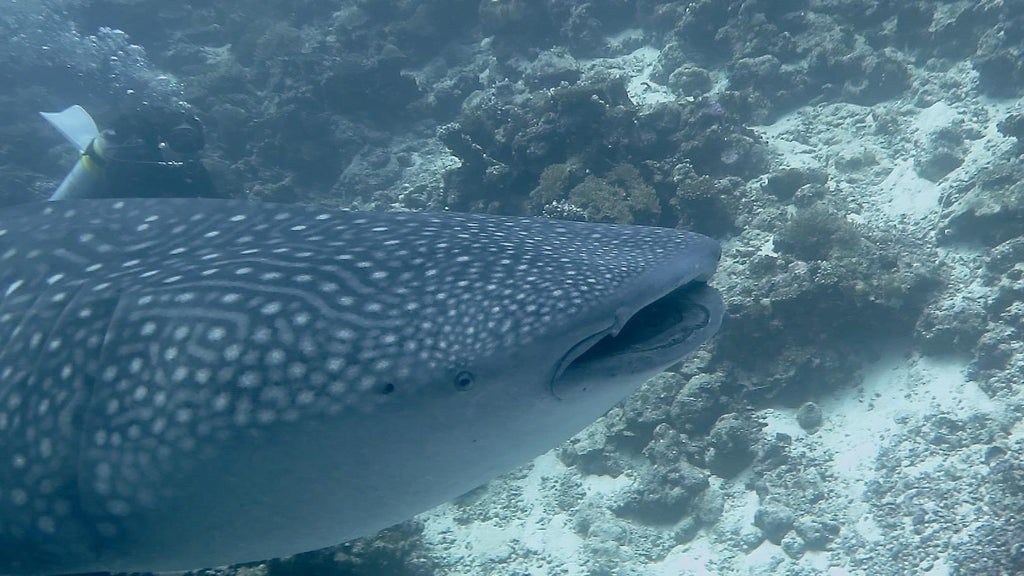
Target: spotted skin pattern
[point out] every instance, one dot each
(145, 342)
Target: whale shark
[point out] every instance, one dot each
(188, 383)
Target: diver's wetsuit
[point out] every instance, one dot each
(154, 152)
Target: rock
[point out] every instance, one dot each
(1013, 127)
(695, 409)
(730, 445)
(998, 60)
(809, 416)
(816, 533)
(936, 163)
(1006, 255)
(551, 68)
(990, 213)
(749, 539)
(785, 183)
(686, 530)
(590, 453)
(668, 447)
(662, 494)
(951, 325)
(709, 506)
(775, 521)
(944, 152)
(793, 546)
(690, 81)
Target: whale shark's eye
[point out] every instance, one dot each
(387, 388)
(463, 380)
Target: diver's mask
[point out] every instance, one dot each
(185, 138)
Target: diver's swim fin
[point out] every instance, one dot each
(75, 124)
(79, 128)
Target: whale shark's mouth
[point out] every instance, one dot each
(660, 326)
(653, 338)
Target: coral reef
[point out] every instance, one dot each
(831, 281)
(598, 134)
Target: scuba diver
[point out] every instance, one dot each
(152, 151)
